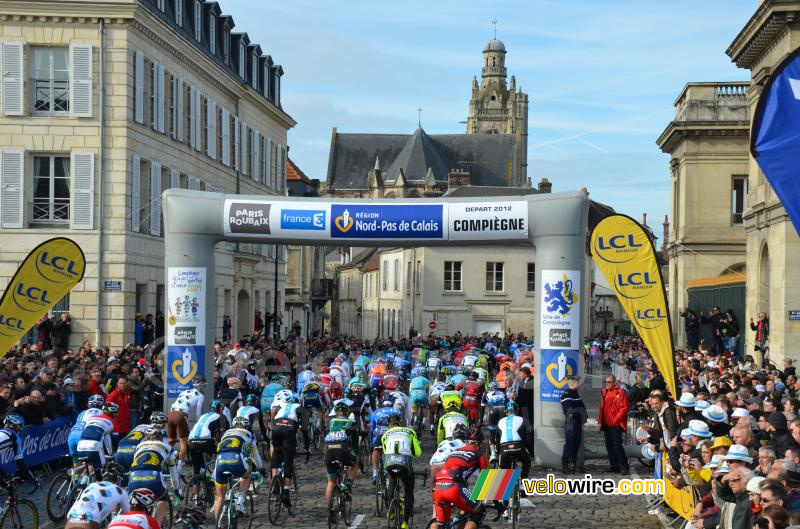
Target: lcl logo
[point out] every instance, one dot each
(30, 299)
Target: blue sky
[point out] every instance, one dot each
(602, 77)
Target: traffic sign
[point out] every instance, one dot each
(432, 325)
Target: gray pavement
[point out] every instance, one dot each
(550, 511)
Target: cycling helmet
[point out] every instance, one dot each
(450, 386)
(493, 385)
(395, 420)
(460, 432)
(234, 382)
(512, 407)
(387, 403)
(341, 407)
(252, 363)
(216, 406)
(109, 408)
(241, 422)
(154, 431)
(307, 367)
(96, 401)
(446, 371)
(348, 392)
(141, 499)
(158, 417)
(315, 378)
(112, 472)
(192, 517)
(252, 399)
(14, 421)
(199, 382)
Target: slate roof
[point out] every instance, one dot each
(488, 157)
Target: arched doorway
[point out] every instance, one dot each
(244, 315)
(763, 280)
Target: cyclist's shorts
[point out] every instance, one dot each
(397, 462)
(72, 442)
(452, 494)
(312, 401)
(419, 398)
(377, 434)
(124, 456)
(232, 462)
(177, 426)
(148, 479)
(93, 451)
(334, 457)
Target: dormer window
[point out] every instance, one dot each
(277, 89)
(162, 5)
(198, 20)
(255, 71)
(226, 46)
(212, 34)
(179, 12)
(242, 55)
(266, 81)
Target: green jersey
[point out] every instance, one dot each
(342, 433)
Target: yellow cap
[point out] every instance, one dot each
(719, 442)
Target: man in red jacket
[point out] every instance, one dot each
(121, 396)
(613, 420)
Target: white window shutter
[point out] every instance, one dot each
(245, 156)
(268, 162)
(278, 167)
(192, 117)
(256, 163)
(12, 180)
(193, 183)
(226, 138)
(180, 123)
(160, 97)
(265, 161)
(173, 133)
(82, 199)
(211, 131)
(155, 198)
(237, 145)
(138, 96)
(136, 192)
(80, 86)
(198, 123)
(13, 76)
(174, 179)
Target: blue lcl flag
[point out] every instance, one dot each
(775, 138)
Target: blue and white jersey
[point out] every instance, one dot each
(303, 377)
(496, 398)
(207, 426)
(444, 450)
(10, 445)
(83, 416)
(248, 412)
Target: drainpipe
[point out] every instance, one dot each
(101, 117)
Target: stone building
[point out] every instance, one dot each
(106, 104)
(708, 147)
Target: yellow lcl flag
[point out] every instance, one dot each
(624, 253)
(49, 272)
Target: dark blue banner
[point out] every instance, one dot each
(184, 362)
(405, 221)
(775, 138)
(42, 444)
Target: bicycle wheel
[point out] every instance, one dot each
(380, 490)
(58, 497)
(394, 516)
(274, 500)
(347, 508)
(195, 492)
(335, 505)
(516, 507)
(169, 516)
(432, 524)
(223, 521)
(22, 515)
(247, 522)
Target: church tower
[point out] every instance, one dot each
(497, 108)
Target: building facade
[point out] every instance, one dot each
(773, 246)
(105, 105)
(709, 161)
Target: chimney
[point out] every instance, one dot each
(644, 219)
(666, 234)
(457, 178)
(545, 186)
(584, 190)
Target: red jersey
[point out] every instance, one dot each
(473, 390)
(390, 381)
(461, 464)
(133, 520)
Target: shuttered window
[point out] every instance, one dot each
(12, 165)
(193, 113)
(268, 162)
(51, 189)
(256, 166)
(155, 198)
(50, 75)
(82, 165)
(138, 74)
(244, 135)
(237, 145)
(136, 192)
(226, 138)
(211, 129)
(12, 76)
(80, 62)
(174, 179)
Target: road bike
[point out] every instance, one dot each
(380, 491)
(65, 488)
(315, 425)
(420, 411)
(458, 521)
(364, 450)
(229, 515)
(199, 492)
(275, 497)
(16, 513)
(396, 500)
(341, 503)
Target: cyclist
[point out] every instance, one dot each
(314, 396)
(98, 500)
(95, 408)
(230, 395)
(250, 378)
(153, 456)
(283, 395)
(341, 448)
(379, 423)
(433, 365)
(286, 418)
(443, 451)
(361, 404)
(127, 446)
(433, 402)
(496, 406)
(237, 452)
(472, 388)
(205, 435)
(512, 446)
(11, 445)
(419, 393)
(96, 438)
(402, 403)
(138, 517)
(269, 392)
(449, 420)
(400, 444)
(252, 413)
(177, 421)
(391, 380)
(451, 482)
(305, 375)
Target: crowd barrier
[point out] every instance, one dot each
(42, 444)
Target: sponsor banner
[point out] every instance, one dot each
(395, 221)
(560, 310)
(41, 444)
(300, 220)
(624, 253)
(246, 218)
(46, 275)
(186, 327)
(475, 222)
(682, 500)
(556, 366)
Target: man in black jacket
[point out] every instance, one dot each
(574, 417)
(61, 332)
(732, 488)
